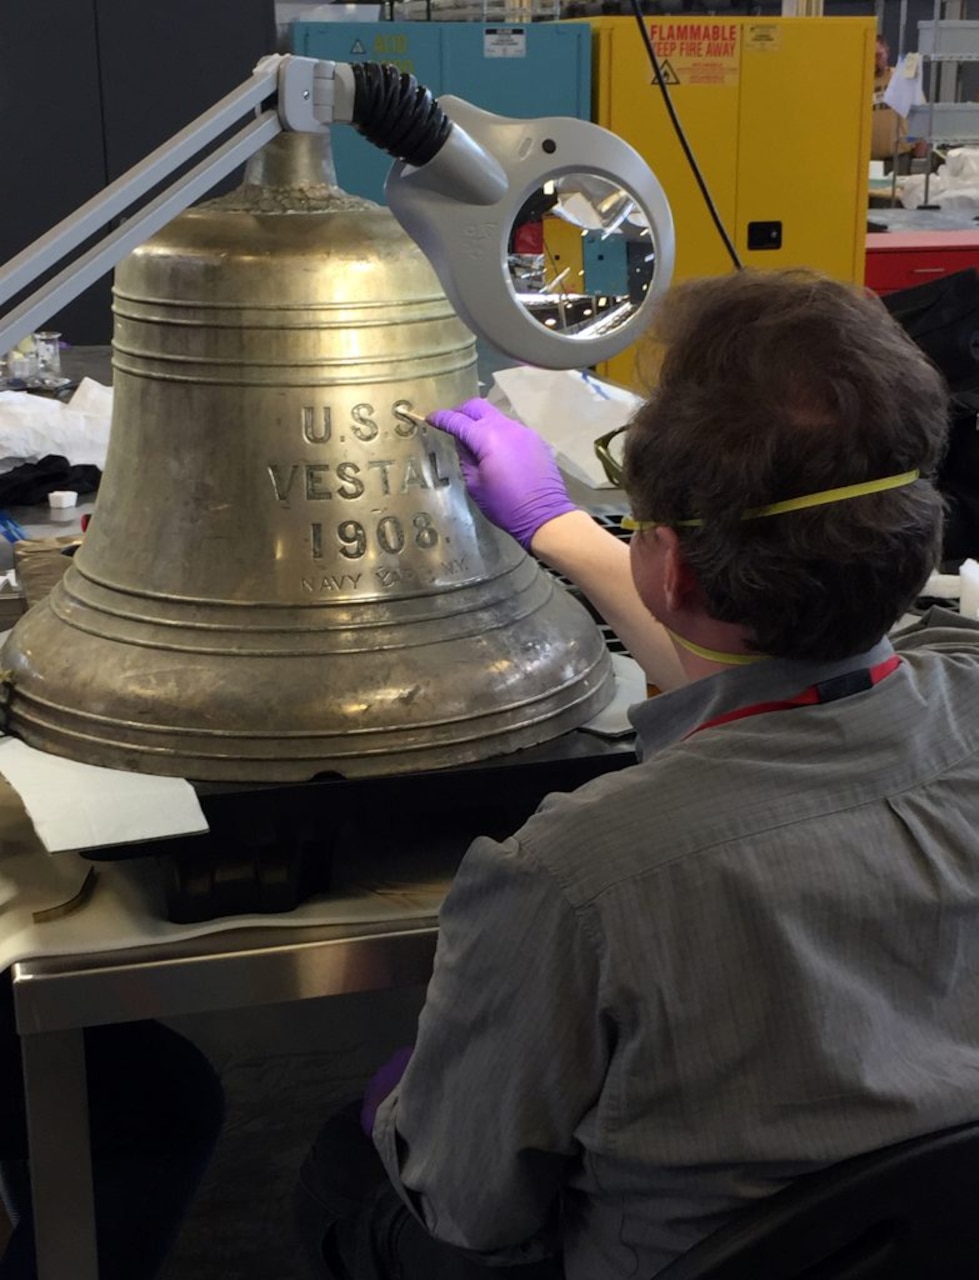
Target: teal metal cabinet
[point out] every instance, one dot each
(542, 69)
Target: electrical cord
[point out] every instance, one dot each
(682, 137)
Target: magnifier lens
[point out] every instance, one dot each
(582, 256)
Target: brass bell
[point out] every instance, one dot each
(283, 575)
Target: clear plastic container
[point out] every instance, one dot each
(47, 349)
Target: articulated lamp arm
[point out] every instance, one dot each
(458, 184)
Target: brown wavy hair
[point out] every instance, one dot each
(773, 385)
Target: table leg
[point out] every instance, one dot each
(60, 1155)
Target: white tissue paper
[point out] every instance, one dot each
(942, 586)
(962, 165)
(954, 186)
(570, 409)
(31, 427)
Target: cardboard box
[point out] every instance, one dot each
(39, 564)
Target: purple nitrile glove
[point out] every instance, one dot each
(509, 470)
(380, 1085)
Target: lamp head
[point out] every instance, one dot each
(472, 175)
(461, 208)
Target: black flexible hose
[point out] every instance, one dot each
(396, 113)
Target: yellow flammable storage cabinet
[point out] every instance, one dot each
(777, 113)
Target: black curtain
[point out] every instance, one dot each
(943, 319)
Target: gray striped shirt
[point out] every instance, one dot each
(752, 954)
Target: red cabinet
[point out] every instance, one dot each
(903, 259)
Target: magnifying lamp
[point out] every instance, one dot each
(460, 179)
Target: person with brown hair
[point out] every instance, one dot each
(776, 386)
(754, 953)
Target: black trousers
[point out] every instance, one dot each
(155, 1110)
(352, 1224)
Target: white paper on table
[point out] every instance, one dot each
(570, 409)
(83, 806)
(32, 427)
(630, 687)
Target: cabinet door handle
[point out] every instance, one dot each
(928, 271)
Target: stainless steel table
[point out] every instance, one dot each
(55, 999)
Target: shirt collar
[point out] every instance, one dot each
(667, 718)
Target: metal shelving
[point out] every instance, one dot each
(950, 40)
(945, 41)
(945, 123)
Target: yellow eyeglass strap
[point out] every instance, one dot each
(797, 504)
(832, 495)
(716, 655)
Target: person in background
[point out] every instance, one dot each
(755, 953)
(889, 139)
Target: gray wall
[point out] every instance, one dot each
(89, 87)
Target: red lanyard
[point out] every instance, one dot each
(828, 691)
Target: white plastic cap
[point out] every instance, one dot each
(62, 498)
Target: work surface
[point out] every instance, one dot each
(376, 932)
(900, 219)
(115, 960)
